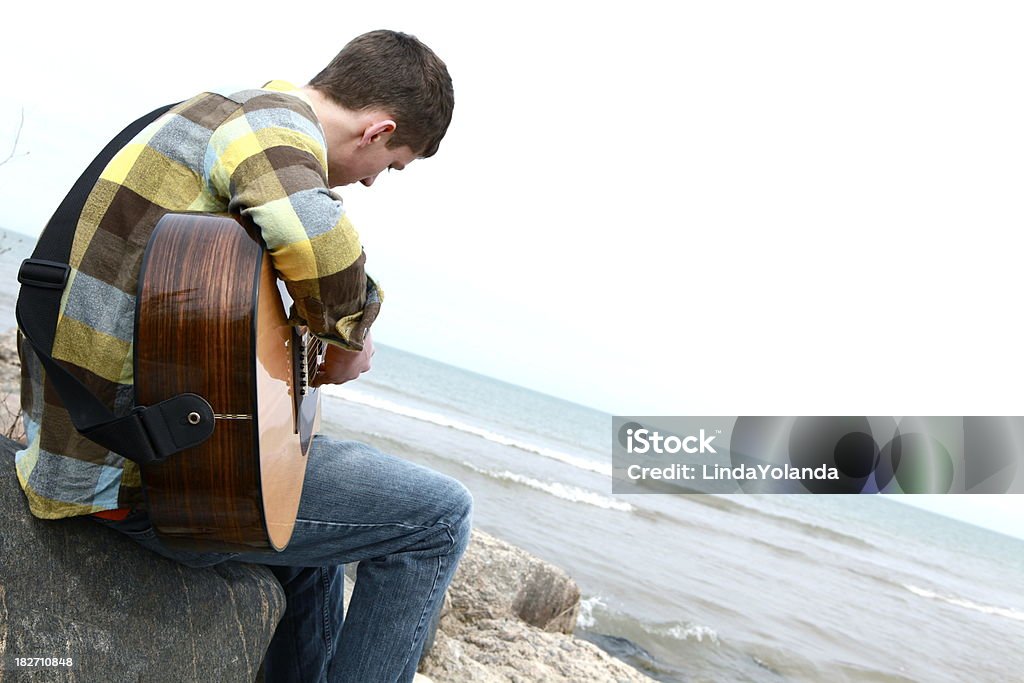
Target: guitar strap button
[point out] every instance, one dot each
(194, 418)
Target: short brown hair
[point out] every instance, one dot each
(397, 73)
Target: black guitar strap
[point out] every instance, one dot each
(147, 434)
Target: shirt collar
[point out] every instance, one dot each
(290, 88)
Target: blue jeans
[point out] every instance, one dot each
(407, 527)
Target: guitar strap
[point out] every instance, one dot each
(147, 434)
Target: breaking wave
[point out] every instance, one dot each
(441, 420)
(574, 494)
(1007, 612)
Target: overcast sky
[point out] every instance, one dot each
(720, 208)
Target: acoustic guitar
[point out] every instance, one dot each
(212, 320)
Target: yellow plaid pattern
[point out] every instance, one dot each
(259, 153)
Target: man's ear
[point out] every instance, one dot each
(373, 132)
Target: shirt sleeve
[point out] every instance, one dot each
(268, 160)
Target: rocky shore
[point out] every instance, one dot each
(508, 616)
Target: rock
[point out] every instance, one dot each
(507, 651)
(497, 580)
(72, 588)
(508, 617)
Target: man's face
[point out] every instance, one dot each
(363, 164)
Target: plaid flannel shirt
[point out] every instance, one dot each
(260, 153)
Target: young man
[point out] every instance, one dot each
(271, 154)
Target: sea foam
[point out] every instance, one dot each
(692, 632)
(1007, 612)
(574, 494)
(585, 617)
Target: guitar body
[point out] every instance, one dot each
(211, 320)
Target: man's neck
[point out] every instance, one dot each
(339, 124)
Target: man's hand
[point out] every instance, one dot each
(341, 366)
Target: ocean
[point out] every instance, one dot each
(701, 587)
(694, 587)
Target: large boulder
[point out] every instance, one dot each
(508, 617)
(497, 580)
(73, 588)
